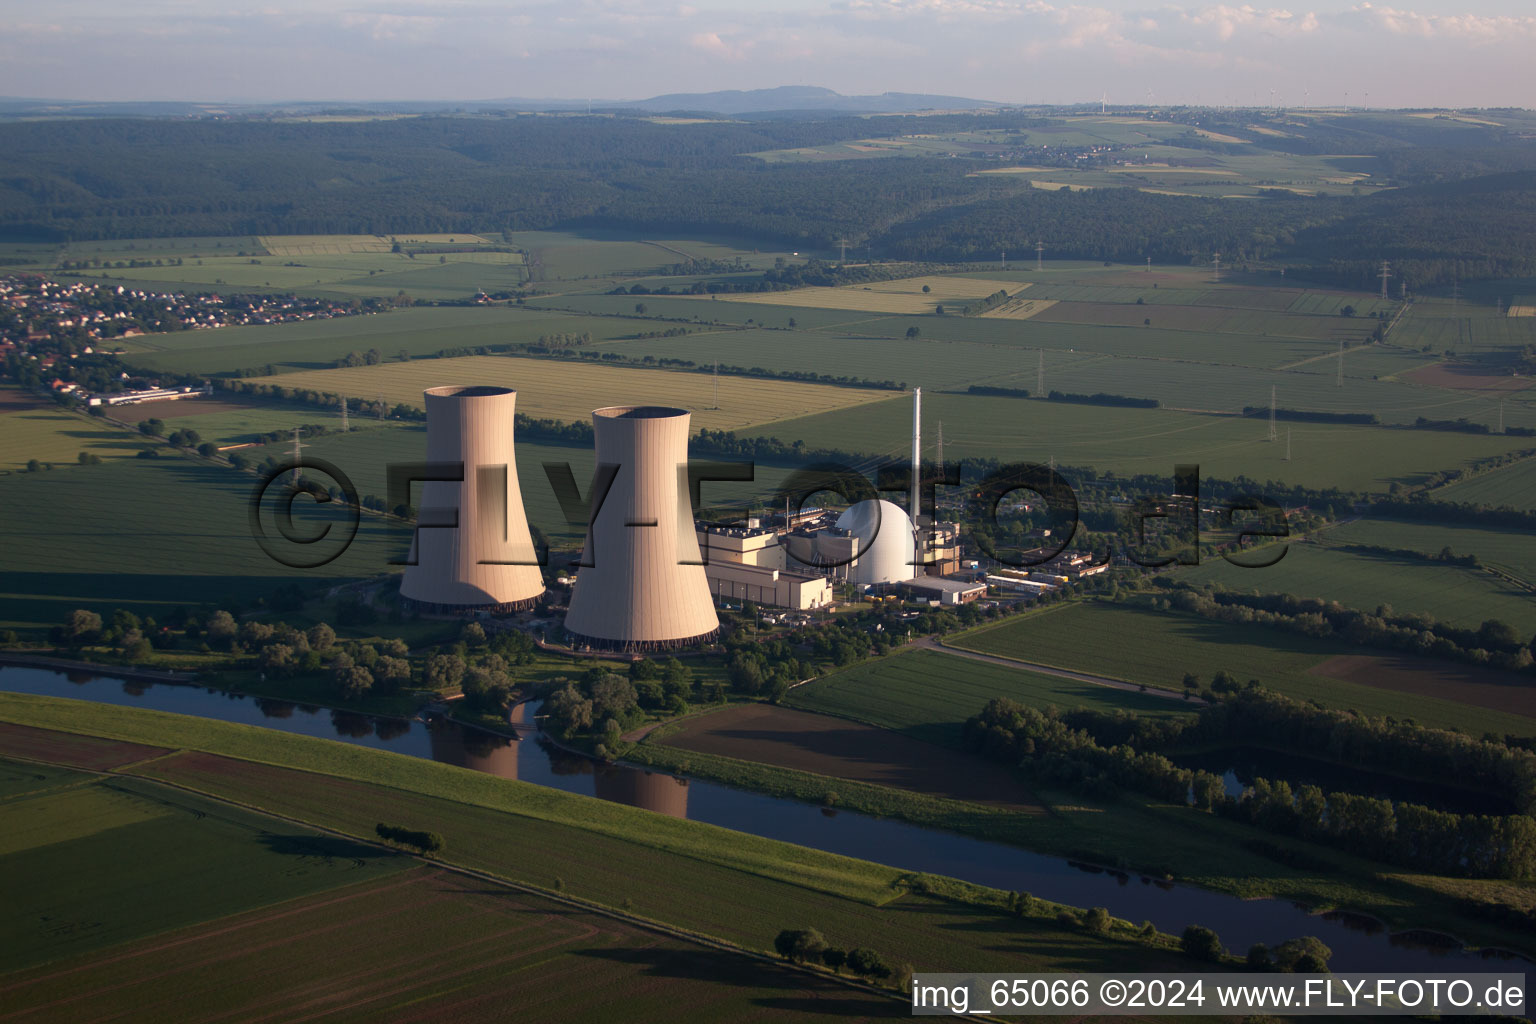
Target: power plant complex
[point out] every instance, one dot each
(650, 577)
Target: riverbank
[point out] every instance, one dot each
(733, 886)
(1157, 841)
(399, 706)
(98, 668)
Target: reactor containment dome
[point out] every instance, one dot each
(641, 586)
(887, 548)
(472, 550)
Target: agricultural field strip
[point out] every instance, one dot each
(747, 906)
(295, 905)
(769, 858)
(1459, 596)
(570, 391)
(1159, 647)
(475, 938)
(922, 692)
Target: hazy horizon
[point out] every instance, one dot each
(1434, 54)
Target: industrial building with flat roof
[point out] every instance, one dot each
(946, 592)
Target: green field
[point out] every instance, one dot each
(569, 255)
(437, 947)
(568, 390)
(1459, 596)
(1158, 648)
(928, 695)
(1130, 441)
(317, 344)
(1507, 549)
(152, 535)
(231, 421)
(1233, 171)
(171, 859)
(914, 361)
(711, 880)
(20, 779)
(49, 434)
(1508, 487)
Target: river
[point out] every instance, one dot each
(1359, 944)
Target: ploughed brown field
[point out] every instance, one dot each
(424, 946)
(86, 752)
(172, 408)
(850, 750)
(1465, 377)
(1480, 687)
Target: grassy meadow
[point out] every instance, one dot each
(1130, 441)
(52, 435)
(928, 695)
(1458, 595)
(1158, 648)
(153, 535)
(569, 390)
(317, 344)
(1512, 486)
(110, 861)
(681, 873)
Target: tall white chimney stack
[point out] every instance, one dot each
(917, 457)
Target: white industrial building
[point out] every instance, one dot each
(747, 563)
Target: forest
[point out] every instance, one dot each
(1461, 197)
(1100, 753)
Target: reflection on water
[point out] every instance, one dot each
(655, 791)
(533, 759)
(470, 748)
(1356, 922)
(276, 708)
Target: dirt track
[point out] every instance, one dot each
(843, 749)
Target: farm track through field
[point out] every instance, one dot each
(635, 921)
(933, 644)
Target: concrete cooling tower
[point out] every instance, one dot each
(887, 548)
(640, 586)
(487, 561)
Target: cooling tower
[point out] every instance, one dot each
(887, 548)
(634, 592)
(487, 561)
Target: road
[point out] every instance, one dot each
(932, 644)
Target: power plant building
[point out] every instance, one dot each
(480, 555)
(641, 586)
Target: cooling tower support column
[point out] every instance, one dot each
(487, 561)
(641, 586)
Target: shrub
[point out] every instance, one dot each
(1201, 943)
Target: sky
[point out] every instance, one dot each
(1424, 53)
